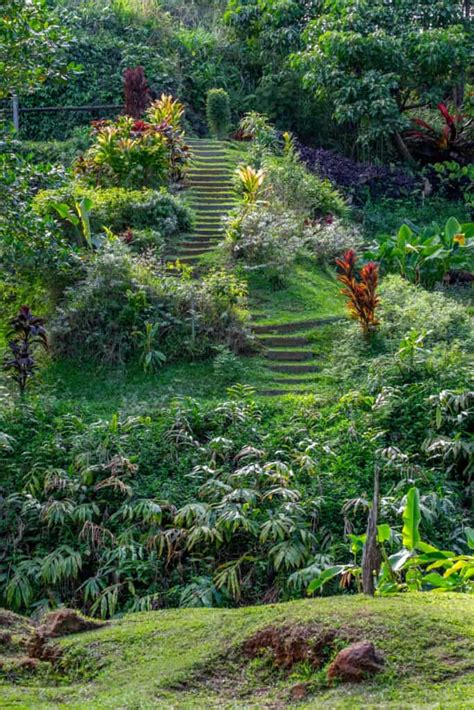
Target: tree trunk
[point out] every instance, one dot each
(402, 148)
(371, 556)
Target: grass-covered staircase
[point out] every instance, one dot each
(211, 196)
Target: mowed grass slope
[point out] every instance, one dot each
(190, 659)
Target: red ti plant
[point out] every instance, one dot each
(360, 288)
(26, 333)
(453, 142)
(137, 94)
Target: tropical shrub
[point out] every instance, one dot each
(301, 191)
(118, 208)
(426, 255)
(218, 112)
(102, 317)
(264, 237)
(166, 110)
(360, 289)
(134, 153)
(452, 142)
(329, 238)
(250, 183)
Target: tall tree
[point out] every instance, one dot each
(31, 46)
(377, 59)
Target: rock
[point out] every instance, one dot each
(66, 621)
(299, 691)
(291, 644)
(5, 638)
(355, 663)
(27, 664)
(38, 647)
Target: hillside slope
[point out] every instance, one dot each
(193, 659)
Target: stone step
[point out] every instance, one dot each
(194, 252)
(294, 369)
(212, 207)
(208, 231)
(292, 381)
(205, 179)
(289, 355)
(282, 393)
(289, 342)
(200, 243)
(294, 326)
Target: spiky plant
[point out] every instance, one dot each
(27, 332)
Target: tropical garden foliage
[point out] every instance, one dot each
(255, 195)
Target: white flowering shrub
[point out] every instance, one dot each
(264, 236)
(330, 238)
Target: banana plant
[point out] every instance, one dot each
(78, 216)
(417, 566)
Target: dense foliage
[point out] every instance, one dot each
(143, 262)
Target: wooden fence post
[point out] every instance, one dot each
(16, 113)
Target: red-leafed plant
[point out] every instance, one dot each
(137, 94)
(360, 288)
(453, 141)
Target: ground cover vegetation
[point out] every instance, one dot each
(237, 340)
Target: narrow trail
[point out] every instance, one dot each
(211, 194)
(290, 356)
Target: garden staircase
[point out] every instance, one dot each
(211, 197)
(291, 357)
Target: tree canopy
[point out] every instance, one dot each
(31, 46)
(377, 59)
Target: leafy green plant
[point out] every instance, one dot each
(27, 332)
(218, 112)
(251, 183)
(78, 218)
(412, 567)
(150, 358)
(226, 365)
(426, 255)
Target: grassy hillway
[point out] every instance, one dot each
(211, 196)
(190, 659)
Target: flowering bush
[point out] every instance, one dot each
(329, 238)
(264, 236)
(133, 153)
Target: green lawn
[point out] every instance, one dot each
(189, 659)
